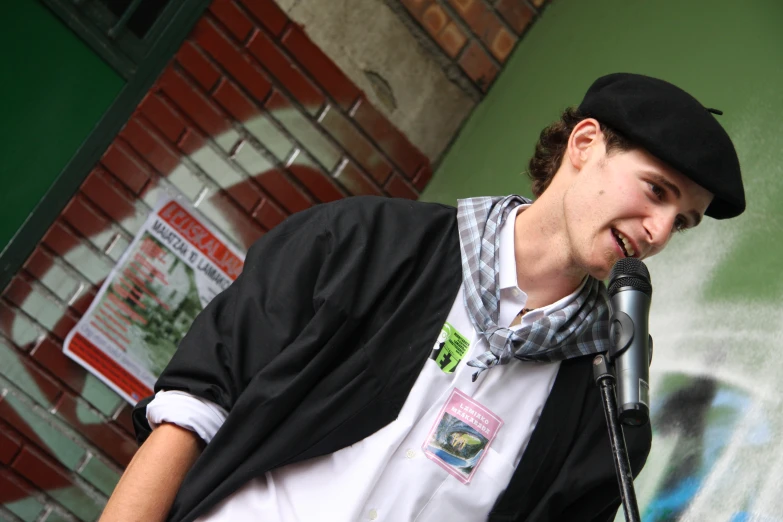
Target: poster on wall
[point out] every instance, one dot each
(175, 265)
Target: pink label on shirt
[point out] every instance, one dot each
(461, 436)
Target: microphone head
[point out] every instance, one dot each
(630, 272)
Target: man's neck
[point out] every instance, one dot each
(545, 271)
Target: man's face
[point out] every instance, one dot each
(627, 204)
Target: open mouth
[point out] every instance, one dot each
(624, 244)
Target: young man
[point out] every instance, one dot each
(311, 389)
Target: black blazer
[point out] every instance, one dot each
(319, 341)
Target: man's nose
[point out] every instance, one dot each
(659, 229)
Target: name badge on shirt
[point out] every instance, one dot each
(449, 349)
(461, 436)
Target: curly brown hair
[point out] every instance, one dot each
(552, 143)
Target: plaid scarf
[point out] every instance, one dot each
(580, 328)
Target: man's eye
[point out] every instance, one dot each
(658, 191)
(680, 225)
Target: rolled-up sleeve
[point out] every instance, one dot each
(198, 415)
(249, 324)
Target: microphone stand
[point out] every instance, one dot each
(605, 380)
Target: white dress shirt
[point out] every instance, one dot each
(386, 476)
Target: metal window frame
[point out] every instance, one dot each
(166, 36)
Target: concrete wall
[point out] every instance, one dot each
(423, 63)
(718, 297)
(371, 44)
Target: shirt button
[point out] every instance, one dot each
(515, 292)
(410, 454)
(373, 514)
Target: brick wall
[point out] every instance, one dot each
(477, 36)
(250, 121)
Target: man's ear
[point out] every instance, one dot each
(582, 142)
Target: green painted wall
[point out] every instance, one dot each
(717, 303)
(728, 54)
(54, 90)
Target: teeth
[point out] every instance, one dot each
(626, 244)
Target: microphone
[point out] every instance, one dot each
(630, 291)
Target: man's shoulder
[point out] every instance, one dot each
(385, 211)
(380, 204)
(399, 227)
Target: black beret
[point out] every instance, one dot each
(674, 127)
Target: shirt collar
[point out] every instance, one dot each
(508, 274)
(508, 259)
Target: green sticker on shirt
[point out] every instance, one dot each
(449, 349)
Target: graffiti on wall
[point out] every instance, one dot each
(250, 123)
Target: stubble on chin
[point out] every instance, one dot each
(610, 258)
(598, 266)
